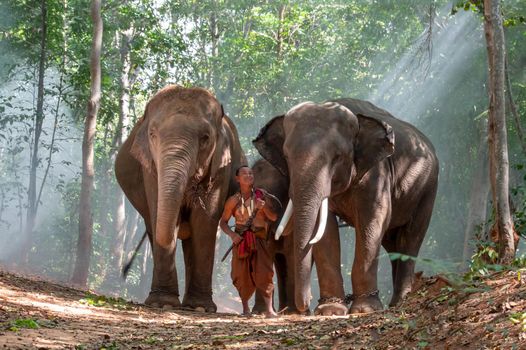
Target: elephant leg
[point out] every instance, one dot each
(365, 266)
(389, 244)
(408, 242)
(165, 287)
(280, 264)
(326, 255)
(199, 262)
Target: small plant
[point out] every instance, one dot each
(520, 319)
(26, 323)
(436, 266)
(112, 346)
(101, 300)
(289, 341)
(422, 344)
(154, 340)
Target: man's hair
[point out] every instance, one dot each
(241, 167)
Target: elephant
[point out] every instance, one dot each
(328, 266)
(342, 155)
(177, 169)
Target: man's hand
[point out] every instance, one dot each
(260, 203)
(236, 238)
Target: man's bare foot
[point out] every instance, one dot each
(271, 314)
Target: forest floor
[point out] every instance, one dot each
(487, 314)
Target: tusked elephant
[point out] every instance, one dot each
(376, 172)
(328, 266)
(176, 168)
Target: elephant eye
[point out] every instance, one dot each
(338, 157)
(204, 139)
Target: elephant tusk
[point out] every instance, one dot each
(284, 220)
(323, 221)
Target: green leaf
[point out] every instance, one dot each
(23, 323)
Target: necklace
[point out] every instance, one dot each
(250, 208)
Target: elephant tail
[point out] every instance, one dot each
(128, 265)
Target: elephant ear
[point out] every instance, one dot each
(140, 148)
(222, 155)
(269, 143)
(375, 142)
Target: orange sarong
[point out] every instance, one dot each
(254, 271)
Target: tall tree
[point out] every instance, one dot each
(84, 244)
(119, 220)
(497, 134)
(479, 193)
(32, 203)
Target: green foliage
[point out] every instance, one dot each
(26, 323)
(519, 318)
(153, 340)
(104, 301)
(511, 10)
(111, 346)
(434, 266)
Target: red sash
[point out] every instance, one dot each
(248, 244)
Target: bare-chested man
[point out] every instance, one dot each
(251, 262)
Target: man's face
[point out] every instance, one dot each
(245, 176)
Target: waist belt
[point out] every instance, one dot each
(260, 232)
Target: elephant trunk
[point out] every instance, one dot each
(308, 198)
(173, 174)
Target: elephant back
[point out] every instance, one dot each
(404, 131)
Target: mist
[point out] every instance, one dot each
(437, 83)
(64, 165)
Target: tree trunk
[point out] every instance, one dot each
(513, 109)
(32, 203)
(214, 35)
(479, 194)
(279, 34)
(497, 134)
(84, 244)
(119, 219)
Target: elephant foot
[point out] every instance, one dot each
(331, 307)
(199, 304)
(163, 300)
(398, 298)
(291, 310)
(365, 303)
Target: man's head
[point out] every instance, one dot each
(245, 176)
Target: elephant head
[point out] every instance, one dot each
(180, 141)
(324, 149)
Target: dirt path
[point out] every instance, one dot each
(36, 314)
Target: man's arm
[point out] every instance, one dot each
(223, 223)
(267, 209)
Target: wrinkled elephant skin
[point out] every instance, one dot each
(176, 168)
(377, 172)
(328, 265)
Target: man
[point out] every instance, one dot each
(251, 262)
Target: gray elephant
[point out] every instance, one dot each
(328, 266)
(376, 172)
(176, 168)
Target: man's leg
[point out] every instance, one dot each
(242, 279)
(263, 273)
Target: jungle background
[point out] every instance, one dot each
(424, 61)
